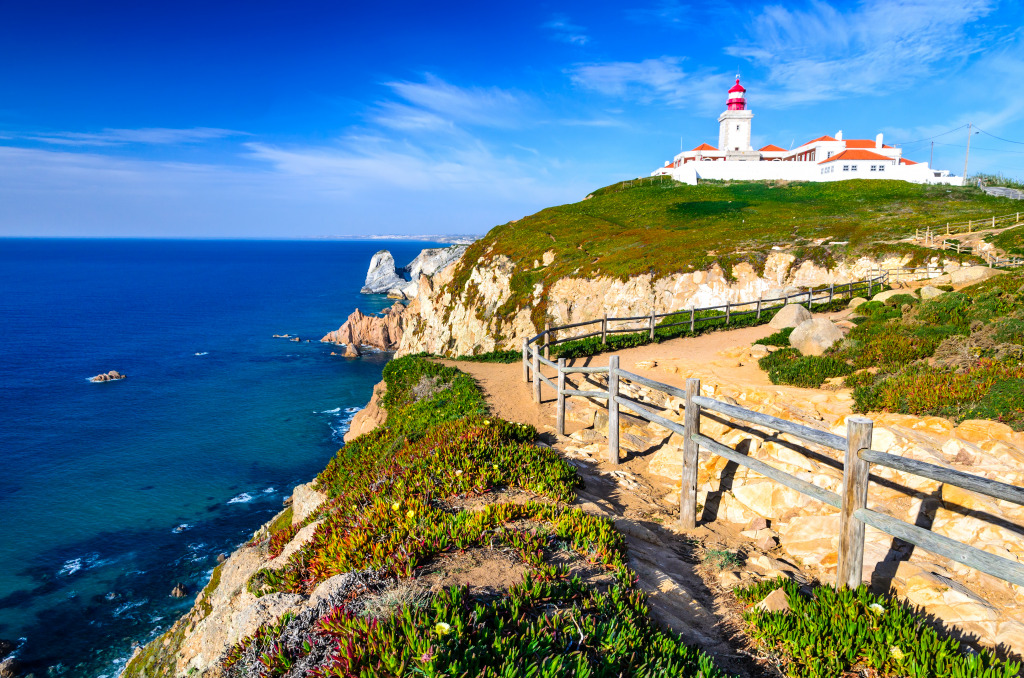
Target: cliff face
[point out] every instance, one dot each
(383, 332)
(384, 278)
(474, 319)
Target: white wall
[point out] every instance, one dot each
(802, 171)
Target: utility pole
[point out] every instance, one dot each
(931, 158)
(968, 153)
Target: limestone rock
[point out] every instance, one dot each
(382, 276)
(775, 601)
(791, 315)
(929, 292)
(431, 261)
(815, 336)
(973, 274)
(370, 417)
(888, 294)
(112, 375)
(305, 500)
(856, 301)
(383, 332)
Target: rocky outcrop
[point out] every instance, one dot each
(815, 336)
(382, 276)
(112, 375)
(371, 416)
(476, 317)
(383, 332)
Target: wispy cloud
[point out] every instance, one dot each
(660, 80)
(820, 52)
(563, 30)
(662, 13)
(121, 137)
(435, 104)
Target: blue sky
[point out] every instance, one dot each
(306, 119)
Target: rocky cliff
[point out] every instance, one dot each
(456, 313)
(383, 331)
(384, 278)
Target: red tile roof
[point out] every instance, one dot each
(824, 138)
(904, 161)
(855, 154)
(705, 147)
(863, 143)
(772, 148)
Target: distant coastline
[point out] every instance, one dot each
(447, 239)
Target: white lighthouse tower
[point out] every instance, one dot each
(734, 127)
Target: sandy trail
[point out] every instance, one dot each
(685, 596)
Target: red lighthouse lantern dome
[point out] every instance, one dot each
(736, 102)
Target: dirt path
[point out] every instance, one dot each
(692, 599)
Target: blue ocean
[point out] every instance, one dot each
(112, 493)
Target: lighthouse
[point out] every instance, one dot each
(734, 126)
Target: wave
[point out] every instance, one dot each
(334, 411)
(129, 606)
(202, 353)
(341, 421)
(243, 498)
(269, 490)
(184, 527)
(87, 562)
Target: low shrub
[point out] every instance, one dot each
(833, 633)
(788, 366)
(780, 338)
(493, 357)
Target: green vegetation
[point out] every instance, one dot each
(780, 338)
(958, 355)
(393, 508)
(830, 634)
(667, 228)
(721, 559)
(997, 180)
(1011, 240)
(493, 357)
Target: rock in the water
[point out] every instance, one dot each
(9, 668)
(791, 315)
(815, 336)
(112, 375)
(383, 332)
(179, 591)
(856, 301)
(352, 351)
(382, 276)
(775, 601)
(221, 557)
(929, 292)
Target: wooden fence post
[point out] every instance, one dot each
(831, 292)
(652, 323)
(993, 221)
(692, 317)
(855, 496)
(688, 482)
(604, 329)
(526, 360)
(728, 311)
(560, 424)
(810, 293)
(970, 223)
(536, 374)
(759, 298)
(547, 342)
(613, 409)
(871, 282)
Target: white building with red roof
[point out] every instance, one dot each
(827, 158)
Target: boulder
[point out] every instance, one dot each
(112, 375)
(179, 591)
(856, 301)
(929, 292)
(791, 315)
(305, 500)
(9, 668)
(382, 276)
(883, 296)
(815, 336)
(352, 351)
(775, 601)
(972, 274)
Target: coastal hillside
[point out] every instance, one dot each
(655, 243)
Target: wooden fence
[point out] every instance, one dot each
(930, 233)
(856, 446)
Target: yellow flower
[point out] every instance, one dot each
(495, 467)
(442, 628)
(896, 652)
(487, 422)
(395, 506)
(410, 514)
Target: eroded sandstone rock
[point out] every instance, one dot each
(791, 315)
(815, 336)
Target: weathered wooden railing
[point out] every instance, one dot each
(930, 233)
(552, 336)
(858, 456)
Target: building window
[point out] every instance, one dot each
(829, 155)
(874, 168)
(737, 128)
(881, 168)
(846, 168)
(853, 168)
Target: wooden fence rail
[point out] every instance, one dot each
(858, 457)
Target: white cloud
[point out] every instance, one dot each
(120, 137)
(434, 104)
(563, 30)
(663, 13)
(660, 80)
(821, 52)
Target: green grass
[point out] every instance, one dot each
(663, 228)
(832, 634)
(1011, 240)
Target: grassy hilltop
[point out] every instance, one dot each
(662, 227)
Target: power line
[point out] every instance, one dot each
(908, 143)
(1009, 141)
(980, 148)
